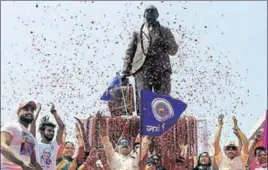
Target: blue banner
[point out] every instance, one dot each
(159, 112)
(115, 83)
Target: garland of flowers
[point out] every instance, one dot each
(116, 107)
(182, 133)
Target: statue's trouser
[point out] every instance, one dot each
(155, 80)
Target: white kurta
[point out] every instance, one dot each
(118, 161)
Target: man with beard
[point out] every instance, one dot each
(232, 158)
(46, 150)
(147, 55)
(17, 143)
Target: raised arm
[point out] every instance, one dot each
(107, 145)
(125, 131)
(144, 148)
(253, 142)
(32, 127)
(130, 53)
(244, 151)
(84, 135)
(240, 143)
(61, 148)
(60, 124)
(80, 154)
(216, 143)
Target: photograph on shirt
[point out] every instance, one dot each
(46, 157)
(27, 145)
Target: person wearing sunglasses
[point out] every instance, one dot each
(233, 158)
(121, 158)
(261, 156)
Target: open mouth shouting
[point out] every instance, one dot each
(28, 115)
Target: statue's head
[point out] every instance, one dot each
(151, 13)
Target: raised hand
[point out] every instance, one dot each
(235, 122)
(52, 109)
(236, 133)
(258, 135)
(37, 111)
(38, 107)
(78, 132)
(220, 119)
(83, 131)
(45, 119)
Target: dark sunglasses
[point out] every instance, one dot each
(231, 148)
(262, 154)
(124, 143)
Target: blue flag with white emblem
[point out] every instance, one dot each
(159, 112)
(115, 83)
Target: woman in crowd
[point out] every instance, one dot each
(68, 160)
(261, 156)
(253, 161)
(203, 162)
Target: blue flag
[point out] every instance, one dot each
(159, 112)
(115, 83)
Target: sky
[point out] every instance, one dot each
(68, 52)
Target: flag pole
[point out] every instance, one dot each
(125, 105)
(135, 98)
(141, 126)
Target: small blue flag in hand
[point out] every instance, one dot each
(115, 83)
(159, 112)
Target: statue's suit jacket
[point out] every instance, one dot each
(135, 56)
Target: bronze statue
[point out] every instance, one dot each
(147, 55)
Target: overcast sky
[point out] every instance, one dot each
(68, 52)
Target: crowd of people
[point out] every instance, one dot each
(147, 60)
(21, 150)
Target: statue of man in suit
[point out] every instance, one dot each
(147, 55)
